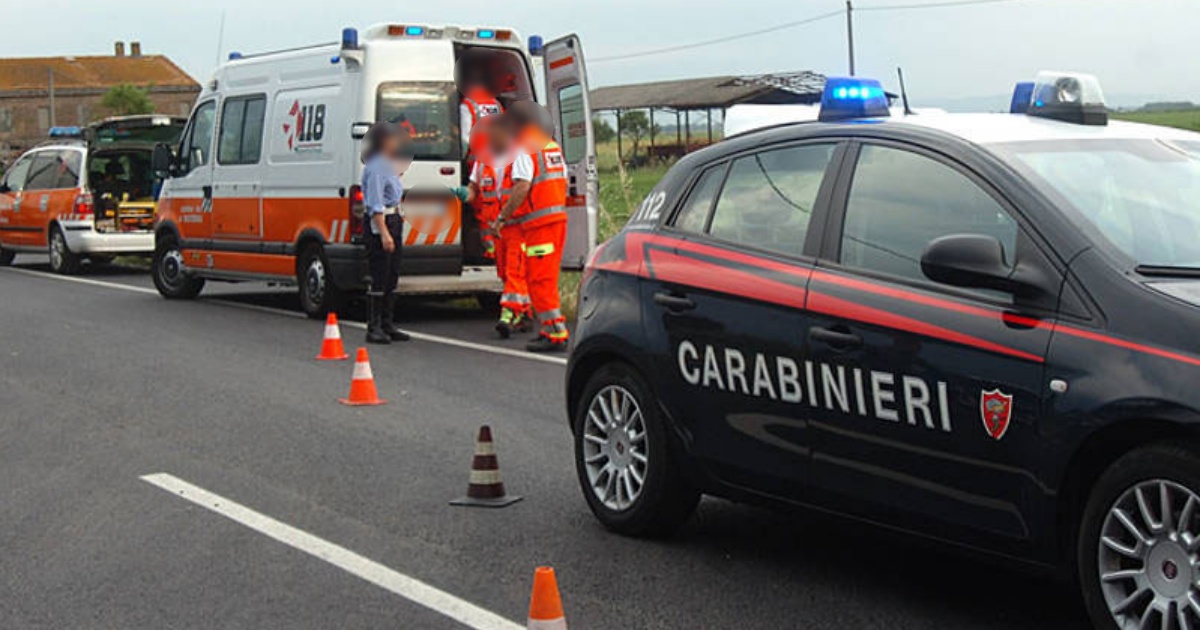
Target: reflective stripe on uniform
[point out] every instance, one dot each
(540, 250)
(514, 298)
(544, 212)
(549, 317)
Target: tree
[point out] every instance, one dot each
(635, 125)
(127, 99)
(604, 131)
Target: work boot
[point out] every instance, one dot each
(546, 344)
(505, 326)
(375, 333)
(388, 323)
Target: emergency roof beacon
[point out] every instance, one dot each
(979, 328)
(265, 182)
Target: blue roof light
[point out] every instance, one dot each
(536, 45)
(849, 97)
(414, 31)
(1022, 94)
(486, 33)
(66, 132)
(349, 38)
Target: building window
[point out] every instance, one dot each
(44, 118)
(5, 120)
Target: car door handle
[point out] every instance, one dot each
(207, 190)
(837, 336)
(673, 301)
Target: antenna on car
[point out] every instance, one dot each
(903, 92)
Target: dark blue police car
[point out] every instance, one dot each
(978, 328)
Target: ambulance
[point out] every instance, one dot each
(264, 184)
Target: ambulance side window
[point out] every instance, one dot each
(197, 144)
(900, 201)
(241, 130)
(768, 198)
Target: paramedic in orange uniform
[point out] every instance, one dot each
(478, 100)
(537, 204)
(491, 180)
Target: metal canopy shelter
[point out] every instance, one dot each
(683, 97)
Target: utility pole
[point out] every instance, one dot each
(850, 33)
(53, 122)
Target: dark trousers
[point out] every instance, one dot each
(384, 267)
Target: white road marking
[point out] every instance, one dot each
(407, 587)
(439, 339)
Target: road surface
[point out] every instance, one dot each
(187, 465)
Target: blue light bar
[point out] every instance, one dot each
(536, 45)
(846, 98)
(1021, 97)
(66, 132)
(349, 38)
(486, 33)
(414, 31)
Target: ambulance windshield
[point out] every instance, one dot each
(428, 111)
(1141, 195)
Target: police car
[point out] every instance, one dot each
(978, 328)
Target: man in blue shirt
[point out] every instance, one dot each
(383, 229)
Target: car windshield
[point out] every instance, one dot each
(1142, 195)
(428, 112)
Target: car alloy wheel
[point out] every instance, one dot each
(58, 250)
(616, 449)
(1149, 557)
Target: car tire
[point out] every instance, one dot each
(6, 257)
(318, 294)
(166, 268)
(62, 259)
(1162, 567)
(634, 444)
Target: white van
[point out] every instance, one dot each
(264, 183)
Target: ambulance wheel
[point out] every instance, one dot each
(6, 257)
(318, 294)
(167, 270)
(630, 477)
(62, 260)
(1139, 541)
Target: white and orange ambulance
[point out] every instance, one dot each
(264, 183)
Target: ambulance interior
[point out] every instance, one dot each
(123, 186)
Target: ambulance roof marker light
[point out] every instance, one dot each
(1022, 95)
(485, 33)
(349, 39)
(848, 98)
(414, 31)
(536, 45)
(1069, 97)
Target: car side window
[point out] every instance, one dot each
(43, 175)
(768, 198)
(16, 177)
(240, 141)
(69, 164)
(198, 143)
(693, 216)
(900, 201)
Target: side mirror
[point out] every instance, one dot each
(974, 261)
(163, 160)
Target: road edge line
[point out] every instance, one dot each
(364, 568)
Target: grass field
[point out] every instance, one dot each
(1184, 119)
(621, 191)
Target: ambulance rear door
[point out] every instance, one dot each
(567, 100)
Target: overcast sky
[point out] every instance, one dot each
(1140, 49)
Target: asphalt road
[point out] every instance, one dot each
(103, 382)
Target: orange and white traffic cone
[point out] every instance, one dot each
(331, 345)
(362, 383)
(486, 489)
(545, 604)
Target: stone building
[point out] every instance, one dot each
(75, 86)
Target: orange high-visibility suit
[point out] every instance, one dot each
(543, 220)
(476, 104)
(509, 247)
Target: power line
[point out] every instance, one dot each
(719, 40)
(780, 27)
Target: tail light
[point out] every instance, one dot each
(84, 204)
(356, 210)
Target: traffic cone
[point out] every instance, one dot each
(362, 383)
(331, 345)
(545, 604)
(486, 489)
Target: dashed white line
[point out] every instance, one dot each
(405, 586)
(439, 339)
